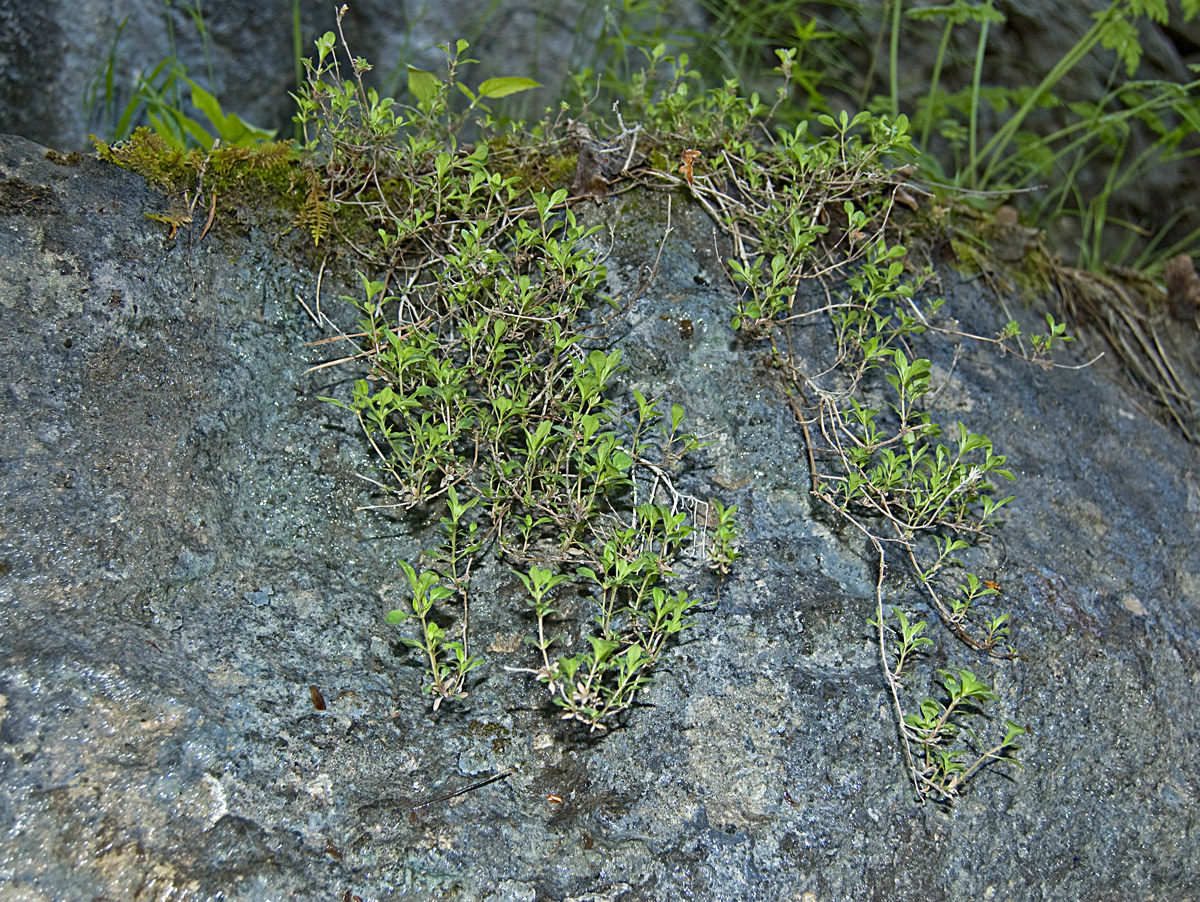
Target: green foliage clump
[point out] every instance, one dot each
(970, 132)
(490, 393)
(820, 202)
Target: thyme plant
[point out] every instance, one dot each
(490, 393)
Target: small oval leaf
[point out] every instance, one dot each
(502, 87)
(424, 85)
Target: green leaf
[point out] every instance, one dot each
(424, 85)
(231, 129)
(241, 133)
(502, 87)
(632, 656)
(602, 649)
(677, 415)
(207, 104)
(1013, 731)
(440, 593)
(325, 45)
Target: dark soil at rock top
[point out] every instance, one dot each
(181, 560)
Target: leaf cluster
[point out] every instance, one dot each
(490, 390)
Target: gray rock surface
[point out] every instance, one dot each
(181, 559)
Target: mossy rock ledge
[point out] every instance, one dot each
(182, 562)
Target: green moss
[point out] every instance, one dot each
(268, 168)
(207, 187)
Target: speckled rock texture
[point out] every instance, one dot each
(182, 561)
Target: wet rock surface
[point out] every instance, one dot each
(181, 562)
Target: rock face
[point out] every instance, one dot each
(184, 576)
